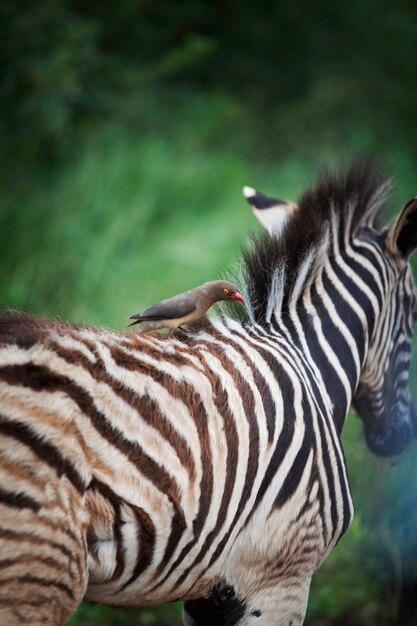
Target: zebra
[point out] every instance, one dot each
(207, 467)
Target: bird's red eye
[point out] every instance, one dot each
(225, 291)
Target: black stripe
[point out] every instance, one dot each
(30, 560)
(330, 470)
(295, 473)
(19, 537)
(35, 580)
(334, 387)
(347, 314)
(114, 501)
(18, 500)
(24, 434)
(335, 339)
(260, 382)
(283, 443)
(146, 543)
(358, 295)
(364, 274)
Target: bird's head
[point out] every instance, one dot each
(227, 291)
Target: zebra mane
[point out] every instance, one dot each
(277, 268)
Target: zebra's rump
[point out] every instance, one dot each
(42, 517)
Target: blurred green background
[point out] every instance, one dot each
(127, 131)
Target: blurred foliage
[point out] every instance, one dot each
(127, 130)
(99, 615)
(65, 60)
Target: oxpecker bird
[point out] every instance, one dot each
(272, 213)
(186, 307)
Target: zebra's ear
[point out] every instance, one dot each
(271, 212)
(403, 233)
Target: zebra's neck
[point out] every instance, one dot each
(331, 326)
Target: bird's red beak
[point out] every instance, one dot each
(236, 296)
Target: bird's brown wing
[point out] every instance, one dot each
(173, 308)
